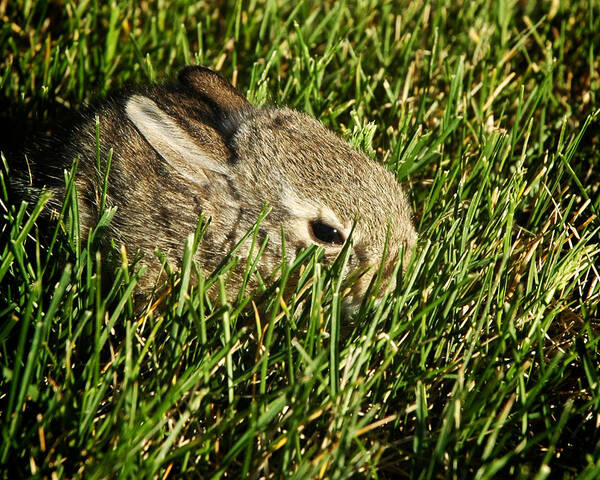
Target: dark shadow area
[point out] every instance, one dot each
(24, 128)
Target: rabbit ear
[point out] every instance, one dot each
(223, 98)
(170, 140)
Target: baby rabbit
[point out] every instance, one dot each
(198, 146)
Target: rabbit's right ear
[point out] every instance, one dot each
(171, 141)
(222, 97)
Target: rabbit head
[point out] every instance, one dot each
(244, 157)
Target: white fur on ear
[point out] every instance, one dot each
(170, 140)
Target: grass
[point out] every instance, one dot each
(481, 362)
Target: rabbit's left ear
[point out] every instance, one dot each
(174, 144)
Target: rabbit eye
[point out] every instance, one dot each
(324, 233)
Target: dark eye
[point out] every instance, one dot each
(324, 233)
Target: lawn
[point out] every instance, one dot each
(482, 361)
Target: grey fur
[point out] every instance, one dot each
(198, 146)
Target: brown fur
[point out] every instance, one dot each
(198, 146)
